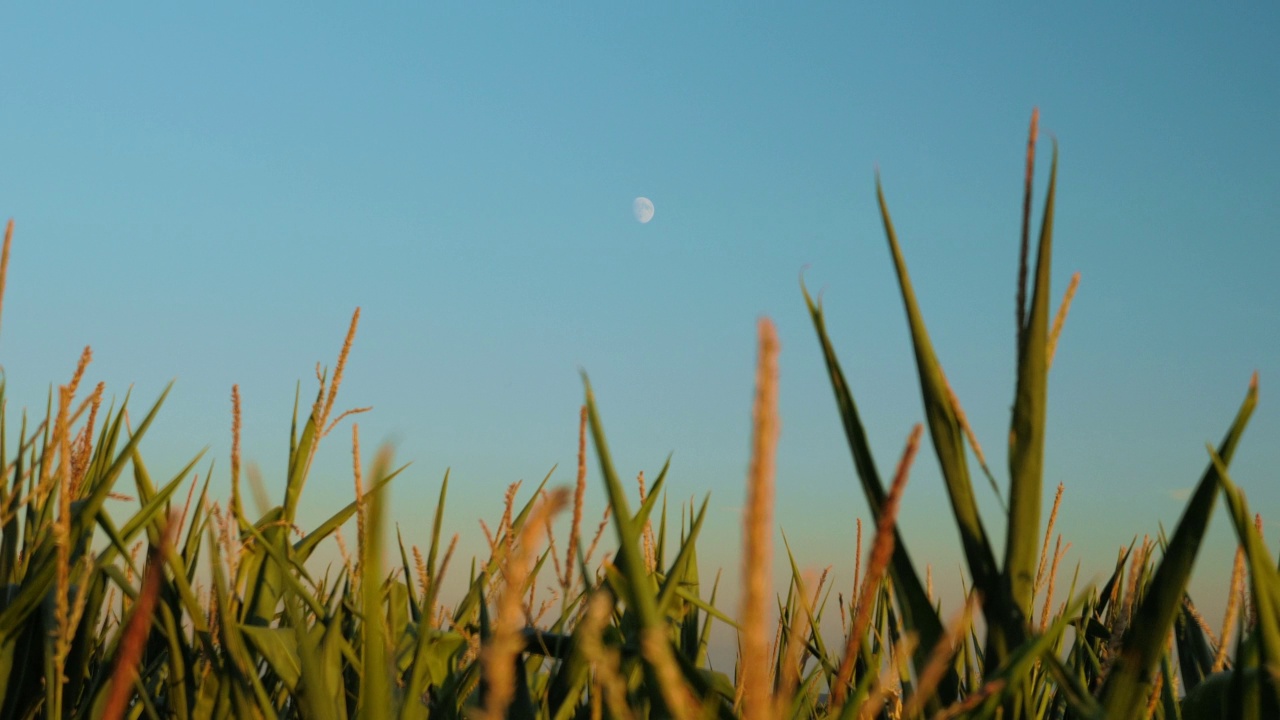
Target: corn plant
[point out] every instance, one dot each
(1119, 663)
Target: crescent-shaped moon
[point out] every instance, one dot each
(643, 209)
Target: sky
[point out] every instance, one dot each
(205, 194)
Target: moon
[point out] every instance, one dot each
(643, 208)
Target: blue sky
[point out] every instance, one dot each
(206, 194)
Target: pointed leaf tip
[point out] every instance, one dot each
(814, 306)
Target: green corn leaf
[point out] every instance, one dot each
(1027, 431)
(433, 657)
(1128, 684)
(296, 570)
(299, 463)
(239, 661)
(1004, 620)
(1195, 655)
(307, 545)
(815, 621)
(676, 574)
(714, 687)
(6, 667)
(651, 499)
(266, 578)
(1070, 688)
(278, 646)
(153, 503)
(108, 434)
(293, 425)
(704, 638)
(375, 688)
(631, 562)
(708, 607)
(1169, 703)
(914, 603)
(1232, 694)
(1265, 585)
(433, 572)
(195, 525)
(1116, 576)
(661, 542)
(311, 664)
(415, 612)
(335, 650)
(562, 689)
(177, 663)
(9, 532)
(688, 578)
(396, 614)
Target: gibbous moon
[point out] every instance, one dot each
(643, 208)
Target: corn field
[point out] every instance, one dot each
(187, 606)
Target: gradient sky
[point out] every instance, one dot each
(207, 194)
